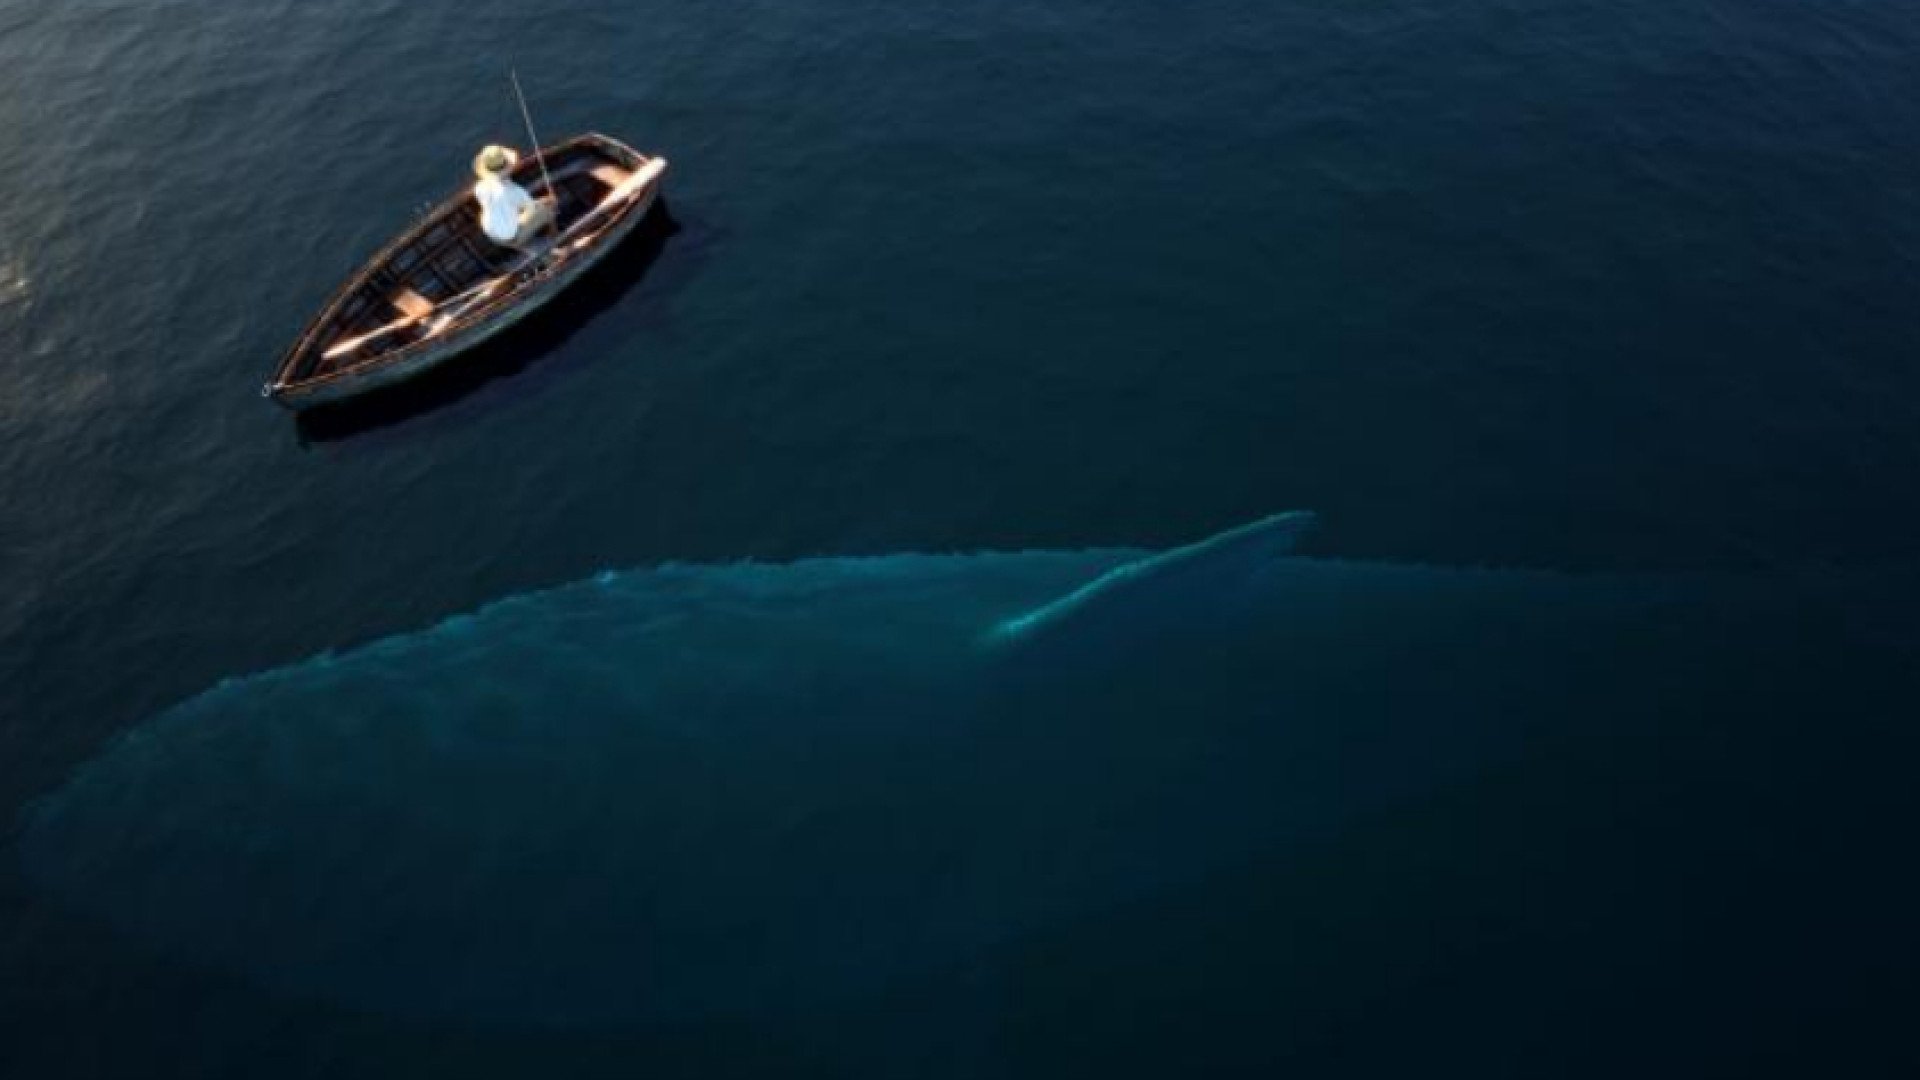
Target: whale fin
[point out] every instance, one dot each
(1167, 579)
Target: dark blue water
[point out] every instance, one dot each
(1616, 291)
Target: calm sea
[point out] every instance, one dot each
(1583, 288)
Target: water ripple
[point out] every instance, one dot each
(15, 286)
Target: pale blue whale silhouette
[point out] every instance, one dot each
(699, 790)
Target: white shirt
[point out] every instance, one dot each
(501, 203)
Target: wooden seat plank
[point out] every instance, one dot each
(412, 304)
(611, 175)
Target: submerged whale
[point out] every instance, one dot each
(691, 791)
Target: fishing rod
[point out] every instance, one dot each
(538, 155)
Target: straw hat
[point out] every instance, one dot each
(494, 161)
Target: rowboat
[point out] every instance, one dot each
(443, 287)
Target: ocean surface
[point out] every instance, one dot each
(1585, 331)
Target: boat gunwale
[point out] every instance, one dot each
(286, 384)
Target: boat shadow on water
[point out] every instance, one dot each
(511, 353)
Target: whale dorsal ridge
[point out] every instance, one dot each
(1174, 577)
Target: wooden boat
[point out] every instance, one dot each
(443, 287)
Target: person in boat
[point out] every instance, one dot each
(508, 215)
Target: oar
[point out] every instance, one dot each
(458, 303)
(458, 306)
(630, 187)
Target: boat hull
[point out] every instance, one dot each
(546, 283)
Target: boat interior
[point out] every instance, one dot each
(448, 255)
